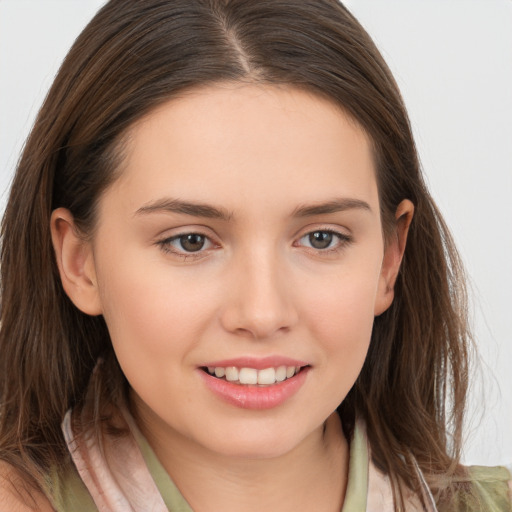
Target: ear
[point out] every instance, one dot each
(393, 254)
(75, 261)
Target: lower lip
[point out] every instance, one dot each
(254, 396)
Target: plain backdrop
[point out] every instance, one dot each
(453, 62)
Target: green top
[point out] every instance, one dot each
(70, 493)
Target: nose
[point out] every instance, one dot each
(260, 297)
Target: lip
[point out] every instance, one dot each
(258, 363)
(250, 396)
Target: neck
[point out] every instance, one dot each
(312, 476)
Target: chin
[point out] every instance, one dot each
(257, 441)
(256, 449)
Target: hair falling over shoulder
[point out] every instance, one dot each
(132, 57)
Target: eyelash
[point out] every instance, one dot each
(166, 247)
(343, 241)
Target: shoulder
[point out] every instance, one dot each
(490, 488)
(17, 496)
(494, 484)
(489, 473)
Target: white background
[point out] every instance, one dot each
(453, 62)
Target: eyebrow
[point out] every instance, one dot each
(168, 205)
(334, 206)
(185, 207)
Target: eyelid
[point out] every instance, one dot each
(344, 238)
(343, 232)
(164, 242)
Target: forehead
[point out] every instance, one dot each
(248, 145)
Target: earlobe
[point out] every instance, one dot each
(393, 255)
(75, 261)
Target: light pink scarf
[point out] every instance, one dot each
(118, 479)
(113, 469)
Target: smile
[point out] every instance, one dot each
(263, 377)
(249, 383)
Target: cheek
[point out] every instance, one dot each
(341, 319)
(149, 315)
(343, 307)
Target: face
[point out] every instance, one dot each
(239, 263)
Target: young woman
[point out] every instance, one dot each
(224, 283)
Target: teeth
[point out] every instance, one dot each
(231, 373)
(219, 372)
(281, 374)
(265, 377)
(248, 376)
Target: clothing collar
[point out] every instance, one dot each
(122, 473)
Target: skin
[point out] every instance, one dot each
(258, 287)
(17, 496)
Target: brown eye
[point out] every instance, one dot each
(324, 240)
(192, 242)
(187, 245)
(320, 239)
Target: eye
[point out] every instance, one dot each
(324, 239)
(186, 244)
(192, 242)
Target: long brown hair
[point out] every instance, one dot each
(132, 57)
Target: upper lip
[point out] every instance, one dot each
(258, 363)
